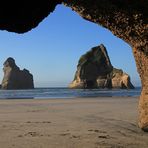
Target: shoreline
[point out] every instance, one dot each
(47, 93)
(81, 97)
(104, 122)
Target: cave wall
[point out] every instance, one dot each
(126, 19)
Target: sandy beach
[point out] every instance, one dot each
(71, 123)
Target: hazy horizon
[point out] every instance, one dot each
(52, 50)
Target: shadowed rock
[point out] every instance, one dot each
(95, 70)
(14, 78)
(22, 16)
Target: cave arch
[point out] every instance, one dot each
(126, 19)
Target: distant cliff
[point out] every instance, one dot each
(95, 70)
(14, 78)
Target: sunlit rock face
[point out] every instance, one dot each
(142, 66)
(126, 19)
(14, 78)
(95, 70)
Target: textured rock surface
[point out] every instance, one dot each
(14, 78)
(142, 65)
(127, 19)
(95, 70)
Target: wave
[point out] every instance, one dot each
(67, 93)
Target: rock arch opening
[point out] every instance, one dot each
(126, 19)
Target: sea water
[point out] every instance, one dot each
(47, 93)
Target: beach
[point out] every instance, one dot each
(99, 122)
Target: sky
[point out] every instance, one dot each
(52, 50)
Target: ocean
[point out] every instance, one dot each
(47, 93)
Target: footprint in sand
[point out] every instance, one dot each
(100, 132)
(64, 134)
(20, 136)
(96, 131)
(104, 136)
(32, 134)
(38, 122)
(68, 134)
(74, 136)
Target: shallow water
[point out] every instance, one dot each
(67, 93)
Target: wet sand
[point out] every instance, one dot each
(105, 122)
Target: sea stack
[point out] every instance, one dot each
(94, 70)
(14, 78)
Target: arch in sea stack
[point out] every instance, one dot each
(125, 19)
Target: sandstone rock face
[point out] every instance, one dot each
(95, 70)
(121, 79)
(14, 78)
(126, 19)
(142, 63)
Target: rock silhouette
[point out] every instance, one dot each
(14, 78)
(95, 70)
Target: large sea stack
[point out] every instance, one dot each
(14, 78)
(95, 70)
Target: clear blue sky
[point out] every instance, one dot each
(51, 51)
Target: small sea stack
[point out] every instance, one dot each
(94, 70)
(14, 78)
